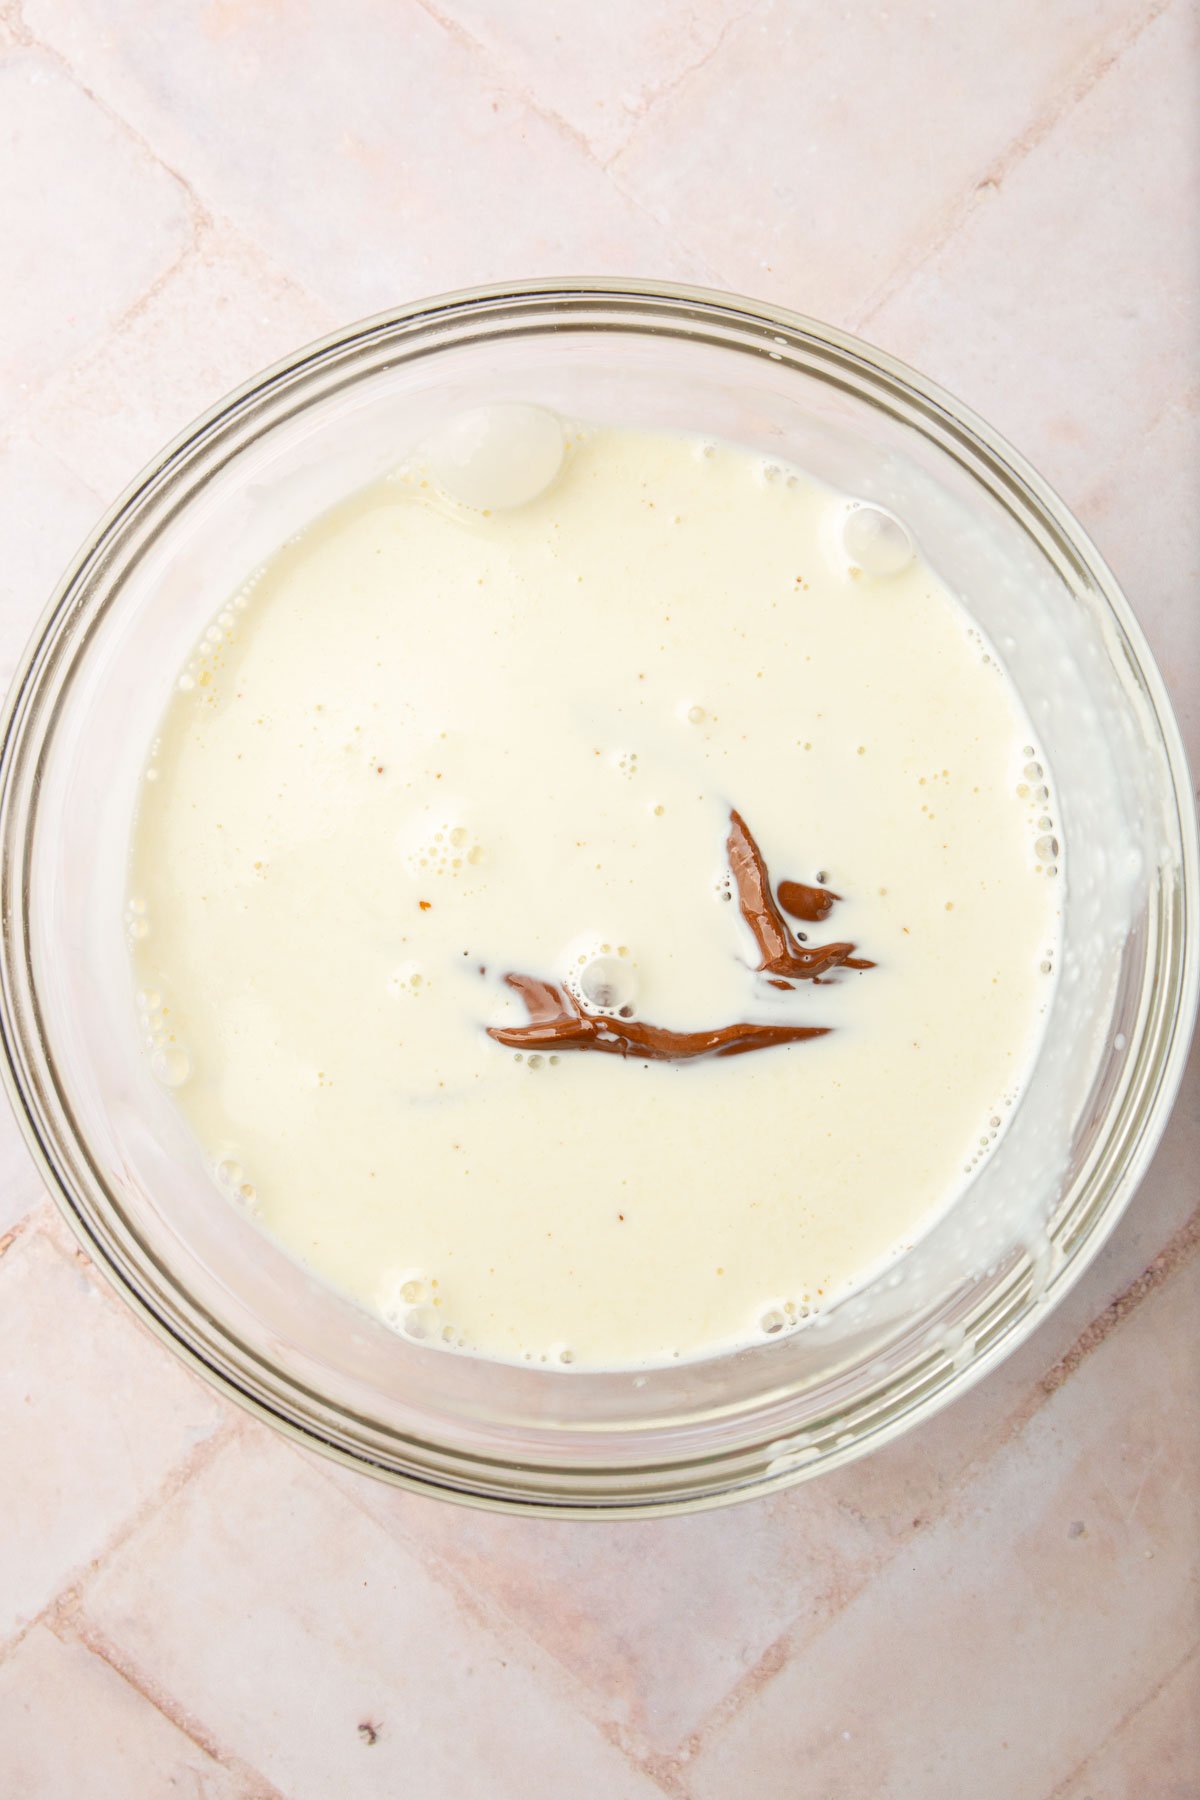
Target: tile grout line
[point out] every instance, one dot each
(69, 1624)
(494, 66)
(175, 1479)
(665, 93)
(31, 1221)
(484, 1607)
(1062, 1789)
(199, 219)
(466, 40)
(25, 416)
(1092, 72)
(204, 223)
(28, 40)
(1176, 1254)
(781, 1650)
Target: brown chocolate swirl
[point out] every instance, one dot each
(557, 1020)
(811, 904)
(779, 952)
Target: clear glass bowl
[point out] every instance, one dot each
(84, 707)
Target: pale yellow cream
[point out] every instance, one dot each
(430, 745)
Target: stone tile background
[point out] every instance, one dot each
(1004, 1603)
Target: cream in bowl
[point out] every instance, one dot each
(595, 894)
(596, 905)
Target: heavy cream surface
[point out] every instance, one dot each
(440, 772)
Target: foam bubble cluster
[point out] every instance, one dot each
(785, 1315)
(231, 1179)
(136, 923)
(1032, 789)
(449, 849)
(411, 1306)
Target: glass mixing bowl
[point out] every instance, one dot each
(85, 705)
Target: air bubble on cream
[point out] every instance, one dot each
(493, 458)
(875, 541)
(608, 984)
(136, 922)
(170, 1065)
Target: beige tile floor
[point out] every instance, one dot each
(1002, 1605)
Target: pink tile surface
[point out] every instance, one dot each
(1055, 264)
(1003, 1602)
(1038, 1611)
(45, 513)
(322, 1630)
(222, 314)
(1154, 546)
(597, 69)
(96, 1420)
(1161, 1735)
(660, 1621)
(116, 219)
(809, 162)
(111, 1743)
(333, 163)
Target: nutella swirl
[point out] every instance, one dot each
(558, 1021)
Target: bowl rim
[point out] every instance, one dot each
(1176, 1028)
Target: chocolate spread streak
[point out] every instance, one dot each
(811, 904)
(558, 1022)
(779, 952)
